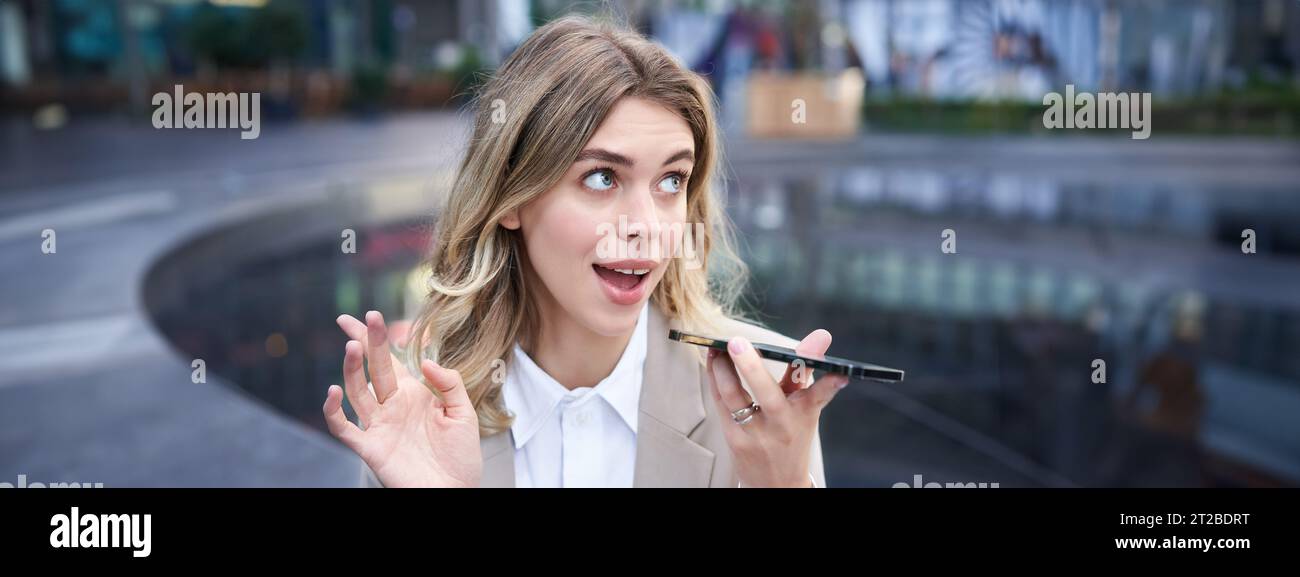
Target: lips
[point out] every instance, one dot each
(624, 282)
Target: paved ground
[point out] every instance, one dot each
(89, 391)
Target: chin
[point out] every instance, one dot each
(611, 320)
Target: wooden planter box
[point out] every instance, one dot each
(832, 105)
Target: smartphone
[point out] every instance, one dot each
(829, 364)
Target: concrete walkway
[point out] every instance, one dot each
(89, 390)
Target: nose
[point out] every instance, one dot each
(642, 217)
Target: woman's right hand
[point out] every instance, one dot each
(408, 436)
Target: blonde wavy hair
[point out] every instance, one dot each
(549, 97)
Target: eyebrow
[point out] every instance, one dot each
(603, 155)
(683, 154)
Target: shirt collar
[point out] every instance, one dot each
(532, 395)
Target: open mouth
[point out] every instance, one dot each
(622, 285)
(621, 278)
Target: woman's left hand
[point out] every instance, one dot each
(772, 449)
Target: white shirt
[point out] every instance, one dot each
(580, 438)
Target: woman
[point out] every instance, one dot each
(544, 338)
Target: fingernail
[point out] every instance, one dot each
(843, 382)
(713, 353)
(738, 346)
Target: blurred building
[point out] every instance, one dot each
(96, 54)
(1019, 49)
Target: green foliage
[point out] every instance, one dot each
(248, 38)
(470, 73)
(369, 87)
(1248, 111)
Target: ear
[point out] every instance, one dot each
(511, 220)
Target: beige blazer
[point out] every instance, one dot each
(679, 441)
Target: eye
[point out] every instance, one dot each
(599, 180)
(671, 183)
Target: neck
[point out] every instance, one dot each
(570, 353)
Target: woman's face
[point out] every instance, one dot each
(628, 184)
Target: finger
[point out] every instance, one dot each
(750, 367)
(338, 423)
(729, 425)
(454, 396)
(730, 391)
(354, 378)
(382, 376)
(355, 329)
(822, 391)
(358, 331)
(814, 345)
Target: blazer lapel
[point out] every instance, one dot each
(671, 408)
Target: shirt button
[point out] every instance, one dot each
(583, 417)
